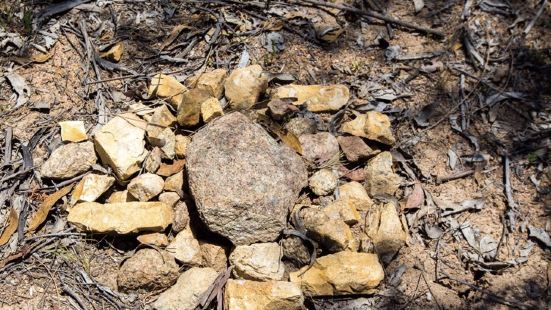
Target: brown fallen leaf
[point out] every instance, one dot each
(11, 227)
(416, 198)
(114, 53)
(167, 170)
(42, 213)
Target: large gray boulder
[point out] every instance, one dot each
(242, 180)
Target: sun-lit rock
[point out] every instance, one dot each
(254, 295)
(317, 98)
(258, 261)
(244, 86)
(167, 87)
(73, 131)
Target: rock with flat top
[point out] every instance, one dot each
(242, 180)
(156, 239)
(147, 270)
(320, 147)
(69, 160)
(373, 125)
(211, 109)
(381, 179)
(120, 144)
(259, 261)
(189, 111)
(356, 195)
(146, 186)
(213, 82)
(186, 293)
(254, 295)
(342, 273)
(354, 148)
(317, 98)
(73, 131)
(244, 86)
(121, 218)
(332, 232)
(170, 198)
(323, 182)
(91, 187)
(120, 196)
(166, 86)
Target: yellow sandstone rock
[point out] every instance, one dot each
(211, 109)
(253, 295)
(244, 86)
(189, 111)
(156, 239)
(317, 98)
(356, 195)
(372, 125)
(384, 228)
(166, 86)
(73, 131)
(114, 53)
(212, 82)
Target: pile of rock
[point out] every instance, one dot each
(244, 185)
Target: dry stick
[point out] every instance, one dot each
(377, 16)
(538, 14)
(7, 152)
(508, 193)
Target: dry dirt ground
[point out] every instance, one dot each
(438, 268)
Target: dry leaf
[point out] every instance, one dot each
(416, 198)
(11, 227)
(40, 215)
(114, 53)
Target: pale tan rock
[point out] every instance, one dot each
(185, 248)
(341, 273)
(156, 239)
(73, 131)
(213, 256)
(356, 195)
(69, 160)
(320, 147)
(185, 294)
(333, 234)
(170, 198)
(91, 187)
(253, 295)
(121, 145)
(147, 270)
(146, 186)
(373, 125)
(381, 179)
(244, 86)
(189, 111)
(258, 261)
(343, 210)
(384, 228)
(162, 117)
(323, 182)
(181, 217)
(153, 160)
(165, 86)
(175, 183)
(317, 98)
(121, 218)
(211, 109)
(180, 146)
(114, 53)
(141, 109)
(164, 139)
(213, 82)
(120, 196)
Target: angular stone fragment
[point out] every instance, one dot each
(175, 183)
(242, 180)
(189, 111)
(121, 218)
(146, 186)
(341, 273)
(373, 125)
(319, 147)
(384, 228)
(244, 86)
(156, 239)
(356, 195)
(168, 143)
(153, 160)
(147, 270)
(167, 170)
(69, 160)
(91, 187)
(317, 98)
(162, 117)
(73, 131)
(213, 256)
(166, 86)
(181, 145)
(213, 82)
(301, 126)
(120, 196)
(185, 248)
(170, 198)
(354, 148)
(333, 233)
(259, 261)
(279, 108)
(185, 294)
(211, 109)
(121, 145)
(323, 182)
(253, 295)
(381, 179)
